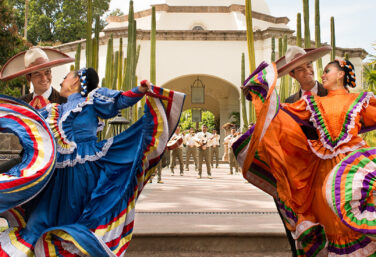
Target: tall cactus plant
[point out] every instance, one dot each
(299, 30)
(114, 74)
(332, 39)
(280, 47)
(244, 107)
(77, 57)
(251, 51)
(307, 34)
(95, 61)
(109, 63)
(318, 38)
(273, 50)
(153, 47)
(284, 84)
(120, 65)
(89, 41)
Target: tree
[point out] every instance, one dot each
(116, 12)
(57, 21)
(369, 74)
(11, 43)
(207, 118)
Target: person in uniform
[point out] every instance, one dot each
(227, 128)
(178, 151)
(214, 147)
(203, 151)
(191, 149)
(229, 140)
(165, 162)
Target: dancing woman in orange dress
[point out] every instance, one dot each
(325, 186)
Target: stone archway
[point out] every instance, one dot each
(221, 97)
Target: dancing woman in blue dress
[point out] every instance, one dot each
(86, 207)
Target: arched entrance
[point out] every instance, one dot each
(222, 98)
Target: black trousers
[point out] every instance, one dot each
(288, 232)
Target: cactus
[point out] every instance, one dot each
(307, 34)
(332, 39)
(89, 43)
(109, 63)
(120, 65)
(318, 38)
(284, 85)
(96, 44)
(244, 107)
(280, 48)
(130, 68)
(128, 81)
(251, 51)
(299, 30)
(78, 57)
(153, 47)
(115, 70)
(273, 50)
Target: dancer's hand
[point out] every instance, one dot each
(144, 86)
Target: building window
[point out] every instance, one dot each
(198, 27)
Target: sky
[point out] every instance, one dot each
(354, 20)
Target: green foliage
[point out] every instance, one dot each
(57, 21)
(370, 138)
(207, 118)
(116, 12)
(12, 88)
(186, 120)
(11, 43)
(369, 75)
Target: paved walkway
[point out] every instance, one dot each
(223, 204)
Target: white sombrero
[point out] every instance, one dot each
(296, 56)
(34, 59)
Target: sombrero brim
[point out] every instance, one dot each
(15, 66)
(311, 55)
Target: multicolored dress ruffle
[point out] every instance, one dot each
(324, 187)
(87, 205)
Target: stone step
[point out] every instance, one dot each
(209, 244)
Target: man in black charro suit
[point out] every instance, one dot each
(36, 64)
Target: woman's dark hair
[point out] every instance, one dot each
(89, 80)
(92, 79)
(346, 66)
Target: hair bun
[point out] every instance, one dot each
(350, 77)
(92, 78)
